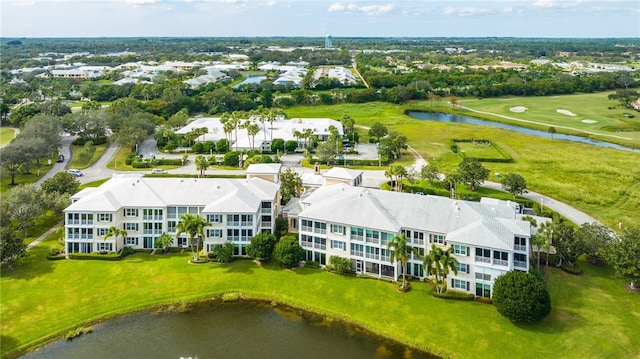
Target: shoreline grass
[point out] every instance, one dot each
(34, 313)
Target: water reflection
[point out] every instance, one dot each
(446, 117)
(232, 330)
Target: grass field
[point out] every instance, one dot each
(604, 183)
(6, 135)
(593, 315)
(84, 157)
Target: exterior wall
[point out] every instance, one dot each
(369, 255)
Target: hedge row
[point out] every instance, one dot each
(96, 256)
(453, 294)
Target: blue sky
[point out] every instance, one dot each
(372, 18)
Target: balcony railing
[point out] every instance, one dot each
(152, 231)
(233, 223)
(357, 253)
(266, 211)
(373, 256)
(483, 259)
(319, 246)
(152, 218)
(320, 230)
(520, 248)
(307, 244)
(373, 240)
(418, 241)
(501, 262)
(306, 229)
(357, 238)
(384, 258)
(520, 264)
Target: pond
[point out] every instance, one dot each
(251, 80)
(446, 117)
(229, 330)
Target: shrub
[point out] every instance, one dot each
(261, 246)
(575, 269)
(231, 297)
(288, 251)
(483, 300)
(127, 251)
(340, 265)
(96, 256)
(455, 295)
(291, 146)
(231, 158)
(140, 164)
(198, 147)
(169, 161)
(521, 297)
(222, 253)
(311, 264)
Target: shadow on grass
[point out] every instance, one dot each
(33, 265)
(9, 342)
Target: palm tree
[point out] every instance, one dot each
(551, 131)
(164, 241)
(201, 164)
(235, 121)
(400, 252)
(440, 262)
(193, 225)
(545, 238)
(115, 232)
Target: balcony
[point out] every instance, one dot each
(266, 211)
(307, 244)
(152, 218)
(357, 238)
(320, 246)
(152, 231)
(373, 240)
(500, 262)
(519, 264)
(483, 259)
(519, 248)
(373, 256)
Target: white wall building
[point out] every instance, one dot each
(357, 223)
(148, 207)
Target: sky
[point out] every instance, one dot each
(317, 18)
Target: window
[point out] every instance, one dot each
(172, 212)
(131, 241)
(233, 234)
(214, 233)
(171, 226)
(357, 234)
(373, 252)
(101, 231)
(151, 214)
(459, 284)
(462, 268)
(418, 238)
(104, 246)
(294, 223)
(214, 218)
(306, 225)
(266, 207)
(131, 212)
(357, 250)
(460, 250)
(319, 243)
(246, 220)
(338, 245)
(520, 244)
(483, 290)
(436, 238)
(483, 255)
(233, 219)
(246, 234)
(320, 227)
(483, 276)
(306, 241)
(104, 217)
(130, 226)
(338, 229)
(372, 236)
(386, 237)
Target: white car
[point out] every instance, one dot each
(159, 171)
(75, 172)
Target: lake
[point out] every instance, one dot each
(451, 118)
(229, 330)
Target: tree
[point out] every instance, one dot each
(202, 164)
(222, 253)
(594, 238)
(545, 238)
(439, 263)
(521, 297)
(288, 251)
(290, 184)
(11, 246)
(625, 97)
(568, 247)
(400, 251)
(453, 101)
(61, 182)
(13, 156)
(164, 241)
(340, 265)
(514, 184)
(347, 123)
(395, 173)
(328, 152)
(472, 173)
(623, 255)
(116, 233)
(378, 131)
(261, 246)
(24, 205)
(192, 225)
(551, 131)
(429, 173)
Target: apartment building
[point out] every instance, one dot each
(357, 223)
(148, 207)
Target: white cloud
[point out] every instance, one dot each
(464, 11)
(140, 2)
(369, 10)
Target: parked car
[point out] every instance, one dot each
(60, 158)
(75, 172)
(159, 171)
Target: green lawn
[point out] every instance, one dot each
(604, 183)
(6, 135)
(593, 315)
(85, 156)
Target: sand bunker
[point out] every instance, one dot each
(518, 109)
(588, 121)
(565, 112)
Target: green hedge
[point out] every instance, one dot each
(483, 300)
(576, 270)
(453, 294)
(96, 256)
(169, 161)
(140, 164)
(55, 257)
